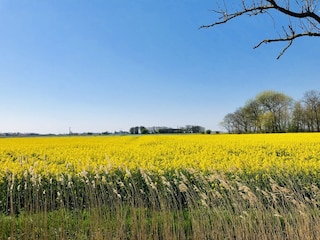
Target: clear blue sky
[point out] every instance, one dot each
(106, 65)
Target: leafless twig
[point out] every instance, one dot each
(304, 10)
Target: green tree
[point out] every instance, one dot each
(312, 106)
(298, 118)
(134, 130)
(228, 123)
(253, 111)
(269, 111)
(143, 130)
(278, 106)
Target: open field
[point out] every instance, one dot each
(161, 187)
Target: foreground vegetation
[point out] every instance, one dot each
(161, 187)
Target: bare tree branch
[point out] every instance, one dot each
(304, 10)
(227, 17)
(302, 14)
(287, 39)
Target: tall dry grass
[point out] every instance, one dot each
(181, 204)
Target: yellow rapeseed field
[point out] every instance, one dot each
(251, 186)
(53, 156)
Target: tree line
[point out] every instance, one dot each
(163, 130)
(272, 111)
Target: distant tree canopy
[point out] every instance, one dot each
(302, 17)
(272, 111)
(163, 130)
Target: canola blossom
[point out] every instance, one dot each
(160, 187)
(238, 154)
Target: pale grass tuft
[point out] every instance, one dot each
(278, 215)
(247, 194)
(183, 187)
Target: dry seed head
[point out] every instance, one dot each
(25, 174)
(39, 179)
(217, 195)
(128, 173)
(153, 185)
(247, 194)
(285, 190)
(245, 213)
(298, 205)
(184, 178)
(308, 200)
(61, 179)
(141, 191)
(315, 188)
(101, 168)
(117, 194)
(165, 181)
(315, 191)
(97, 176)
(274, 197)
(195, 188)
(274, 187)
(115, 191)
(93, 184)
(243, 188)
(31, 170)
(277, 215)
(249, 197)
(226, 185)
(302, 213)
(103, 179)
(168, 190)
(84, 174)
(204, 203)
(121, 184)
(252, 198)
(211, 178)
(34, 179)
(266, 194)
(203, 196)
(183, 187)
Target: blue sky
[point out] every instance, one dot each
(108, 65)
